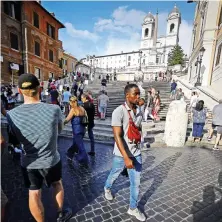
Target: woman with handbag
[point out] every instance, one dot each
(79, 120)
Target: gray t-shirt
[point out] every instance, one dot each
(36, 127)
(103, 100)
(217, 115)
(120, 117)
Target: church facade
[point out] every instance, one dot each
(150, 58)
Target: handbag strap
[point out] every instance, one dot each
(128, 112)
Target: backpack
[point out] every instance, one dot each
(133, 133)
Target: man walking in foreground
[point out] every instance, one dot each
(126, 150)
(36, 126)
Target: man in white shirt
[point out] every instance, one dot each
(126, 152)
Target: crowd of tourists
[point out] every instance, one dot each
(199, 115)
(34, 128)
(9, 96)
(40, 159)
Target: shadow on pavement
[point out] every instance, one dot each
(210, 209)
(158, 174)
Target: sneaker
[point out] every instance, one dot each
(209, 138)
(108, 194)
(91, 153)
(136, 213)
(215, 148)
(65, 215)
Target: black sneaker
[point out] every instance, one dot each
(65, 215)
(91, 153)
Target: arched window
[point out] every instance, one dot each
(172, 27)
(146, 32)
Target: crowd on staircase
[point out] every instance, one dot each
(199, 115)
(79, 109)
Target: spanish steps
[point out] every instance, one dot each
(115, 90)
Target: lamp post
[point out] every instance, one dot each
(199, 61)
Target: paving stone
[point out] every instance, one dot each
(177, 184)
(97, 219)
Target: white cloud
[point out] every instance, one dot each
(122, 20)
(108, 25)
(124, 17)
(118, 44)
(83, 34)
(185, 35)
(121, 31)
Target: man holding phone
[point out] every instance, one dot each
(127, 153)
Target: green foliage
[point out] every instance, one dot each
(176, 56)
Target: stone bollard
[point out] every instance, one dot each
(176, 124)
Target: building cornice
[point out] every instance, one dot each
(53, 17)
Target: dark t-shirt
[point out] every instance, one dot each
(54, 95)
(173, 86)
(90, 110)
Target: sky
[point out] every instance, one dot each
(102, 27)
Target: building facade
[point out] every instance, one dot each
(152, 56)
(11, 42)
(69, 63)
(29, 41)
(207, 33)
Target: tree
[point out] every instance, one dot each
(176, 56)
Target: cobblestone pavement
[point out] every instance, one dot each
(177, 184)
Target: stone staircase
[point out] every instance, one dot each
(116, 96)
(155, 135)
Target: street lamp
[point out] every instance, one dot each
(199, 61)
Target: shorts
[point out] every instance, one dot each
(219, 128)
(102, 109)
(34, 178)
(173, 92)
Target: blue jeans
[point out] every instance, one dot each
(134, 176)
(91, 137)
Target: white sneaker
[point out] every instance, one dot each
(108, 194)
(215, 148)
(136, 213)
